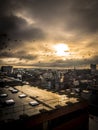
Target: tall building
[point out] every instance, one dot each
(93, 68)
(93, 109)
(7, 69)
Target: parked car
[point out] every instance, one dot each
(14, 91)
(33, 103)
(9, 102)
(22, 95)
(3, 95)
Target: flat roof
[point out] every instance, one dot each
(46, 100)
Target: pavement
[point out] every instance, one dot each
(47, 100)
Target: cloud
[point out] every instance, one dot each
(26, 24)
(19, 54)
(48, 17)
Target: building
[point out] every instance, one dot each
(93, 109)
(7, 69)
(93, 68)
(54, 111)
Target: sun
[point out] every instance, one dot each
(61, 49)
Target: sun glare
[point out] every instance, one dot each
(61, 49)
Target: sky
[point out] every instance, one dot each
(48, 33)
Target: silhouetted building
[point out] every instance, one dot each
(93, 109)
(7, 69)
(93, 68)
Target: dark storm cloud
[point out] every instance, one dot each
(75, 15)
(27, 56)
(94, 59)
(78, 17)
(20, 54)
(16, 28)
(69, 63)
(6, 54)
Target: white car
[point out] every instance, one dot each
(3, 95)
(9, 102)
(34, 103)
(22, 95)
(14, 90)
(10, 89)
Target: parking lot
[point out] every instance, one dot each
(19, 100)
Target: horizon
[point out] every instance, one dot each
(51, 67)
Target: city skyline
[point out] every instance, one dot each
(48, 33)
